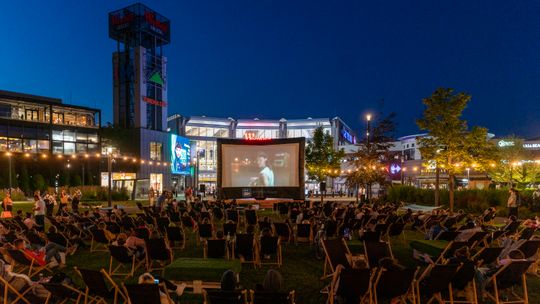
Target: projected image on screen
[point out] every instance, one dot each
(260, 165)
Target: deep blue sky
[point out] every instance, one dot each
(294, 59)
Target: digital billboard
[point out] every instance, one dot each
(180, 155)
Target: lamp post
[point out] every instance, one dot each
(368, 127)
(8, 154)
(468, 177)
(109, 172)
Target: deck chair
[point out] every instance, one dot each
(265, 297)
(143, 293)
(395, 230)
(204, 232)
(464, 277)
(449, 250)
(264, 225)
(23, 263)
(509, 276)
(352, 285)
(187, 222)
(304, 234)
(245, 248)
(34, 238)
(269, 246)
(232, 215)
(225, 297)
(216, 249)
(283, 231)
(176, 237)
(97, 288)
(331, 228)
(447, 235)
(391, 284)
(434, 281)
(99, 241)
(487, 255)
(12, 295)
(530, 248)
(63, 293)
(157, 251)
(58, 238)
(526, 233)
(375, 251)
(124, 259)
(251, 217)
(371, 236)
(229, 229)
(337, 253)
(142, 233)
(162, 223)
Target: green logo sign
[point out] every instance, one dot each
(156, 78)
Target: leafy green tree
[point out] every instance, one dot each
(24, 179)
(515, 165)
(450, 145)
(38, 182)
(369, 161)
(322, 159)
(76, 181)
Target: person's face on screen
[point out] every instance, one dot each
(261, 161)
(177, 151)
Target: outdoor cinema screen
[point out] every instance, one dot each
(260, 165)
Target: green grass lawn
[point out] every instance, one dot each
(300, 270)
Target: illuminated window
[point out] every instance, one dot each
(156, 150)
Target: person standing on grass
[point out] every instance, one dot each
(39, 212)
(512, 203)
(7, 205)
(64, 198)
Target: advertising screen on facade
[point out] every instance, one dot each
(180, 155)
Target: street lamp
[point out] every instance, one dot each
(368, 129)
(468, 177)
(8, 154)
(109, 171)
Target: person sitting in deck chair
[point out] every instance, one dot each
(22, 282)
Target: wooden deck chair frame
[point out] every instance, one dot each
(162, 288)
(205, 250)
(435, 296)
(30, 269)
(95, 245)
(367, 298)
(149, 263)
(367, 256)
(182, 243)
(8, 289)
(441, 259)
(134, 266)
(254, 254)
(328, 263)
(279, 255)
(285, 239)
(79, 298)
(308, 239)
(244, 294)
(410, 296)
(402, 234)
(495, 297)
(292, 297)
(88, 299)
(471, 285)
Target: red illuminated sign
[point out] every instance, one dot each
(154, 102)
(120, 19)
(252, 135)
(150, 18)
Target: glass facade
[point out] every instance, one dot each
(207, 155)
(156, 151)
(216, 132)
(72, 142)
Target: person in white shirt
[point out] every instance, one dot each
(266, 175)
(39, 212)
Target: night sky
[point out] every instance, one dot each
(294, 59)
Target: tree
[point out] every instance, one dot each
(39, 182)
(369, 161)
(450, 145)
(76, 181)
(515, 164)
(322, 159)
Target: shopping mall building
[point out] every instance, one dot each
(203, 132)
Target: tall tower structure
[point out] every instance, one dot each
(139, 67)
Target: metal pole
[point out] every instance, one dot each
(10, 185)
(83, 173)
(109, 168)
